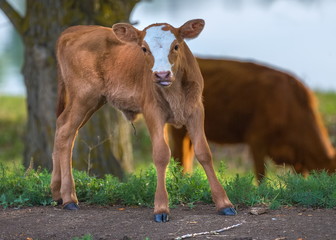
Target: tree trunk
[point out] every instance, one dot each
(40, 28)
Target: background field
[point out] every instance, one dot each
(13, 119)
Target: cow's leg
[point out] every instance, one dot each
(182, 149)
(258, 154)
(60, 147)
(188, 155)
(72, 118)
(56, 173)
(161, 156)
(56, 181)
(195, 128)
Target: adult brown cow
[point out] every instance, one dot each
(152, 72)
(271, 111)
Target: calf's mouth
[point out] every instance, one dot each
(164, 83)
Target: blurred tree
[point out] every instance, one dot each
(103, 145)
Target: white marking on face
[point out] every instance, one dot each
(159, 42)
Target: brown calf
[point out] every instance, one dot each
(151, 72)
(271, 111)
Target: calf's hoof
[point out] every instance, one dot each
(230, 211)
(71, 206)
(162, 217)
(59, 202)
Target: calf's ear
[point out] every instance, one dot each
(192, 28)
(126, 32)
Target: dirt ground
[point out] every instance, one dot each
(127, 223)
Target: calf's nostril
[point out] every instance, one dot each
(162, 75)
(167, 75)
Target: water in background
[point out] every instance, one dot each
(295, 35)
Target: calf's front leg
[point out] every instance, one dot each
(161, 156)
(195, 128)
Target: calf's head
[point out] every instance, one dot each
(162, 45)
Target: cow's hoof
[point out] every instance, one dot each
(59, 202)
(230, 211)
(71, 206)
(162, 217)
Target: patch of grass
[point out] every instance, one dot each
(186, 189)
(327, 107)
(19, 188)
(327, 103)
(96, 190)
(138, 189)
(85, 237)
(12, 125)
(317, 190)
(13, 108)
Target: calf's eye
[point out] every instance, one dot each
(144, 49)
(176, 47)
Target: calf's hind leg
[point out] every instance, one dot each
(75, 114)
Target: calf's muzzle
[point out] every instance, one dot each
(163, 78)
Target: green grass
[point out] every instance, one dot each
(85, 237)
(12, 126)
(19, 188)
(327, 108)
(327, 103)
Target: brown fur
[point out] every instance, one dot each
(99, 65)
(271, 111)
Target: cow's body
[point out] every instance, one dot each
(271, 111)
(116, 65)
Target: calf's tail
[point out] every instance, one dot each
(60, 105)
